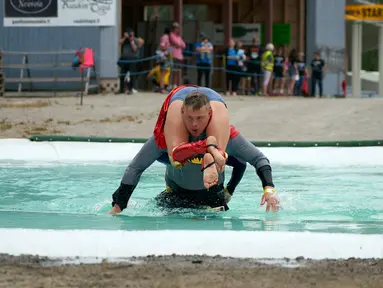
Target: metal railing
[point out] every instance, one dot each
(47, 69)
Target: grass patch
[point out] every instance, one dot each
(38, 129)
(55, 131)
(38, 104)
(63, 122)
(29, 132)
(5, 125)
(85, 121)
(128, 118)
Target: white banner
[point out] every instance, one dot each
(59, 13)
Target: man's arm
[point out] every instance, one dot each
(122, 40)
(246, 151)
(239, 169)
(198, 47)
(324, 68)
(134, 43)
(144, 158)
(243, 149)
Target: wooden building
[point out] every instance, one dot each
(281, 22)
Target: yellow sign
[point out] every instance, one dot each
(364, 12)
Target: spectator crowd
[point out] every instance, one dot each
(253, 70)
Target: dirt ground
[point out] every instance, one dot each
(258, 118)
(192, 271)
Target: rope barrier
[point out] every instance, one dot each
(173, 66)
(138, 60)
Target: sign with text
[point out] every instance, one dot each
(364, 12)
(59, 13)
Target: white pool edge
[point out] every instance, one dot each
(59, 152)
(239, 244)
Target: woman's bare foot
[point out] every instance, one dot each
(218, 157)
(210, 174)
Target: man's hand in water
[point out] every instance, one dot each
(115, 210)
(271, 198)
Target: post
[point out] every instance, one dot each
(380, 60)
(2, 80)
(82, 87)
(269, 21)
(178, 12)
(227, 20)
(356, 58)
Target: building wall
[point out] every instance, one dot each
(284, 11)
(102, 39)
(325, 26)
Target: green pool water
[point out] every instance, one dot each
(77, 196)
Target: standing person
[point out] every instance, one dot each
(204, 50)
(254, 66)
(279, 77)
(301, 65)
(130, 52)
(318, 70)
(242, 67)
(268, 66)
(232, 68)
(178, 45)
(292, 71)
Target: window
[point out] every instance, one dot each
(165, 13)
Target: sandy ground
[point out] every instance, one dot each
(192, 271)
(263, 119)
(258, 118)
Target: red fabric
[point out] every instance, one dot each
(159, 128)
(344, 87)
(233, 132)
(184, 152)
(305, 87)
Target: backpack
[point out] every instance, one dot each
(78, 58)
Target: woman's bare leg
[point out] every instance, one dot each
(282, 86)
(175, 130)
(219, 127)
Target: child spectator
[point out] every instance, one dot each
(242, 68)
(163, 63)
